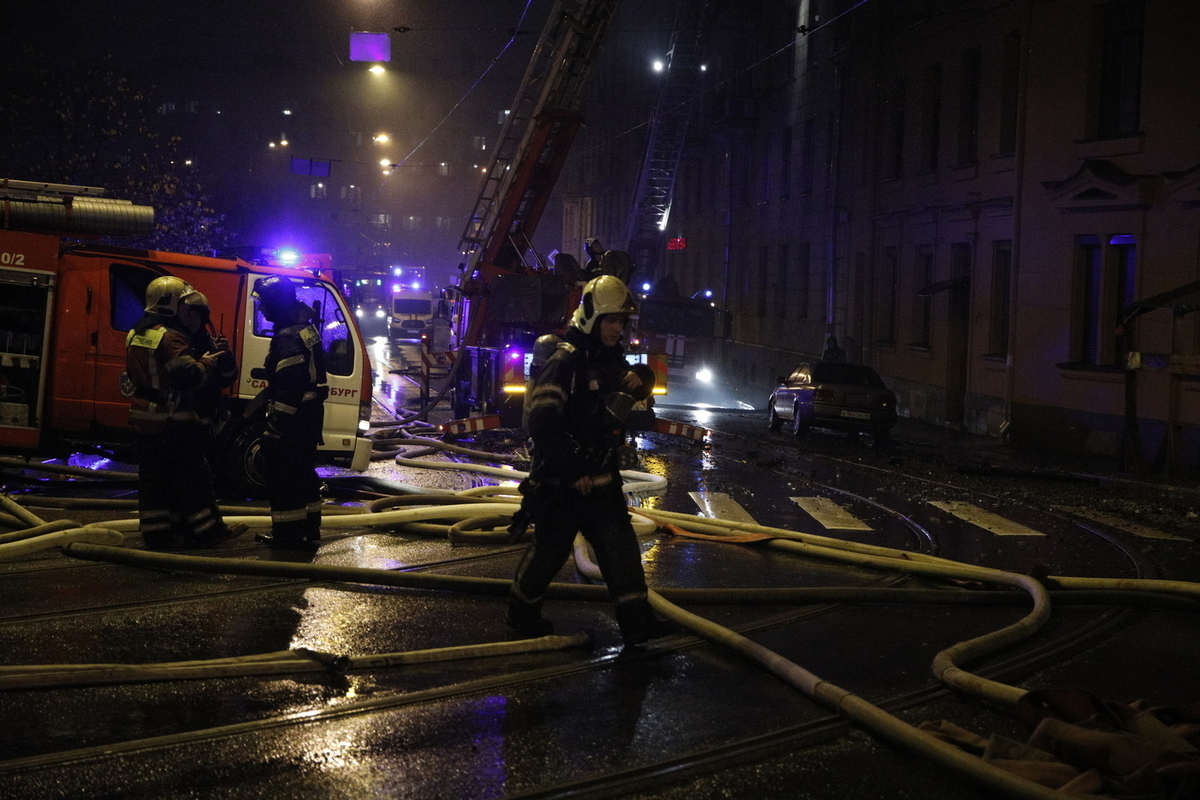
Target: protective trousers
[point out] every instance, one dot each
(293, 488)
(175, 486)
(603, 519)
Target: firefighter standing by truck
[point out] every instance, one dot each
(576, 412)
(166, 376)
(210, 399)
(296, 383)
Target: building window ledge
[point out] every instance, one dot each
(1105, 373)
(1130, 144)
(965, 172)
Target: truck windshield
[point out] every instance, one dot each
(423, 308)
(329, 320)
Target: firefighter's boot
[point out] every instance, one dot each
(638, 623)
(525, 618)
(221, 533)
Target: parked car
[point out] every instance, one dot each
(834, 395)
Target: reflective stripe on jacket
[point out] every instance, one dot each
(165, 373)
(295, 371)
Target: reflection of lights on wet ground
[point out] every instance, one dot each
(654, 463)
(87, 461)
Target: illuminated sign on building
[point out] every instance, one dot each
(679, 243)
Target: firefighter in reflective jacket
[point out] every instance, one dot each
(296, 381)
(166, 374)
(576, 414)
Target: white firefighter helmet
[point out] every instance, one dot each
(194, 311)
(164, 295)
(604, 295)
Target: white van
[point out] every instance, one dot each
(412, 312)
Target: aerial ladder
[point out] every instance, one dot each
(540, 127)
(507, 295)
(666, 136)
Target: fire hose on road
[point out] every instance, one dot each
(486, 508)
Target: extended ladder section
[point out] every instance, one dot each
(541, 125)
(666, 136)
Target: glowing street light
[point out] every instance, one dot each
(377, 70)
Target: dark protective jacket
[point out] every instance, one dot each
(572, 430)
(209, 405)
(165, 372)
(296, 375)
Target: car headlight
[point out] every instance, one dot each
(704, 375)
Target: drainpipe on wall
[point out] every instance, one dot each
(831, 245)
(1010, 380)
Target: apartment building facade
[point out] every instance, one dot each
(995, 204)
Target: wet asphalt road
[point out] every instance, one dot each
(684, 718)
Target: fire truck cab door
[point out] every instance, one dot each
(343, 360)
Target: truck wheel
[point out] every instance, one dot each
(242, 472)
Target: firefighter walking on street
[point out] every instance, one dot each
(295, 372)
(576, 412)
(166, 374)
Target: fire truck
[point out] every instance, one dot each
(509, 294)
(66, 305)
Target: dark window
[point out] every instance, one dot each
(808, 153)
(922, 318)
(1001, 298)
(127, 287)
(740, 173)
(1124, 258)
(968, 107)
(1010, 82)
(1091, 282)
(760, 300)
(893, 166)
(766, 163)
(1120, 69)
(931, 114)
(812, 23)
(888, 294)
(803, 255)
(781, 285)
(785, 162)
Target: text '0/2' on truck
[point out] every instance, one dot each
(66, 306)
